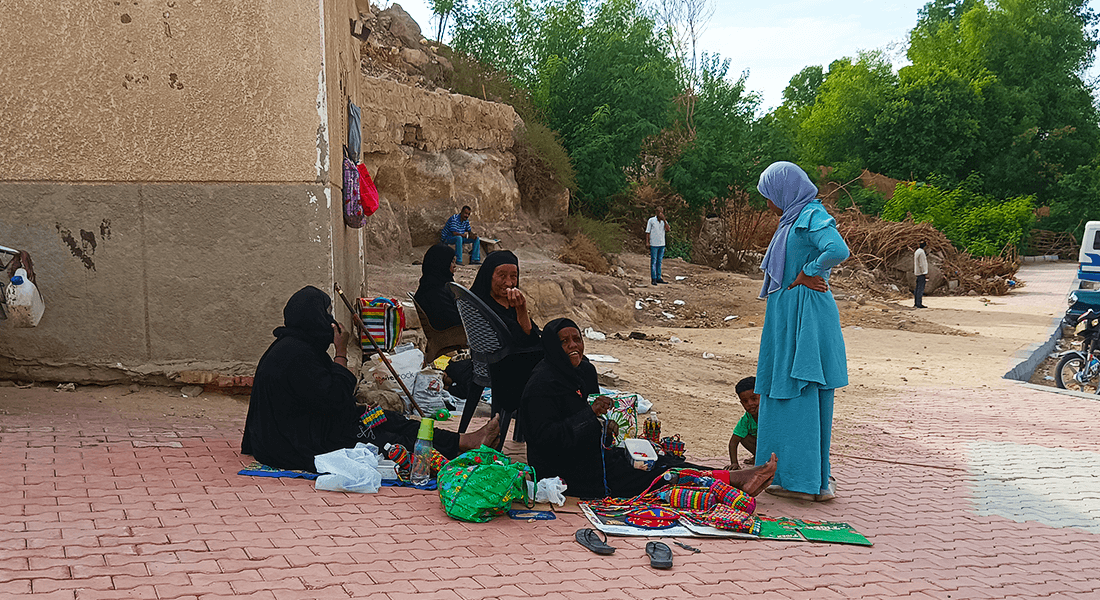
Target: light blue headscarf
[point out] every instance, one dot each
(789, 188)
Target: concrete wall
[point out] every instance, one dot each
(173, 170)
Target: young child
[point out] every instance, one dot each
(744, 434)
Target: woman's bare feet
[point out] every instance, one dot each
(487, 435)
(755, 480)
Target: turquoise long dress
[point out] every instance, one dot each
(802, 359)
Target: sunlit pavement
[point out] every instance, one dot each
(990, 493)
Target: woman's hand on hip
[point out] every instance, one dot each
(815, 283)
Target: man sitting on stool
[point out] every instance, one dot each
(456, 232)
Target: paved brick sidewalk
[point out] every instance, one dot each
(999, 499)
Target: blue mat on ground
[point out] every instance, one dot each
(258, 469)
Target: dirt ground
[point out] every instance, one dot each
(689, 364)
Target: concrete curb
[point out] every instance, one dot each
(1057, 390)
(1032, 356)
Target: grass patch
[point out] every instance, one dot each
(608, 236)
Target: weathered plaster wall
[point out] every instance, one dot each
(169, 90)
(169, 167)
(150, 278)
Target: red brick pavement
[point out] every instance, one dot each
(109, 508)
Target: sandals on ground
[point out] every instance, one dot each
(591, 539)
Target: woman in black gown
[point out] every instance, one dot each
(497, 284)
(303, 401)
(567, 437)
(432, 294)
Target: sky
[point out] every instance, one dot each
(775, 40)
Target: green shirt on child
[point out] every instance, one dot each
(745, 427)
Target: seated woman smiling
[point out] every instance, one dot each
(567, 438)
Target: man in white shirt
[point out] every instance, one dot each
(920, 269)
(655, 230)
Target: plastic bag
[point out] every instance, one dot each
(428, 391)
(406, 364)
(349, 470)
(551, 489)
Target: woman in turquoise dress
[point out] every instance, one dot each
(802, 357)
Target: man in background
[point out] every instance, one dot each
(457, 232)
(655, 230)
(920, 269)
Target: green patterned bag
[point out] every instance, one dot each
(481, 484)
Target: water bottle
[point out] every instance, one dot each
(422, 453)
(1094, 366)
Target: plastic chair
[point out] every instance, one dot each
(439, 341)
(490, 342)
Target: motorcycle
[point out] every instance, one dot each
(1080, 369)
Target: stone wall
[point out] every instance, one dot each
(396, 115)
(430, 153)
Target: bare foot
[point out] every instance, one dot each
(487, 435)
(753, 481)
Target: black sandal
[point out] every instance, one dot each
(660, 555)
(590, 538)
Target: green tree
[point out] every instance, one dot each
(837, 126)
(931, 126)
(1037, 121)
(801, 91)
(719, 160)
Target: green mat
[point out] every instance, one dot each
(782, 528)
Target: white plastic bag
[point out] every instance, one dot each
(349, 470)
(551, 489)
(407, 364)
(428, 390)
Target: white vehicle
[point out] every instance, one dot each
(1088, 269)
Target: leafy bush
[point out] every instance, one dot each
(979, 224)
(678, 242)
(869, 202)
(547, 146)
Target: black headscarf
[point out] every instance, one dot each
(437, 264)
(302, 402)
(432, 294)
(578, 377)
(306, 316)
(483, 283)
(482, 288)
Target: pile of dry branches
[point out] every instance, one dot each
(876, 244)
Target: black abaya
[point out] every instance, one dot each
(564, 435)
(303, 403)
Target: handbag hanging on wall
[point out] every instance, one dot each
(353, 205)
(354, 216)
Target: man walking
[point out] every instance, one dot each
(920, 269)
(655, 230)
(457, 232)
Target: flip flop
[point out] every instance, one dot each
(590, 538)
(660, 555)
